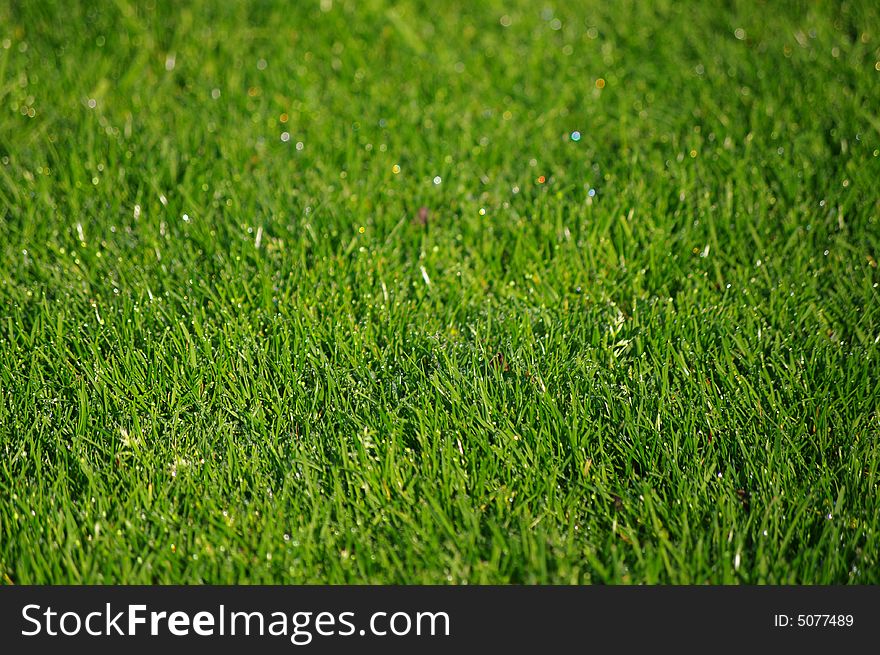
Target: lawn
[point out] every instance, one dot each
(456, 292)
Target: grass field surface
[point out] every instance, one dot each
(492, 292)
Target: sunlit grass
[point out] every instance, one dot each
(439, 292)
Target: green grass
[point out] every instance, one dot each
(647, 355)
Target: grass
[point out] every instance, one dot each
(629, 334)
